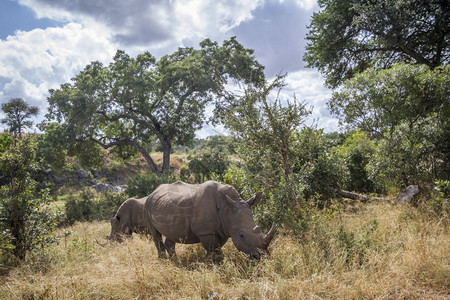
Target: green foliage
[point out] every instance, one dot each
(17, 113)
(315, 168)
(440, 205)
(347, 37)
(354, 156)
(89, 206)
(145, 183)
(407, 156)
(264, 132)
(135, 100)
(290, 165)
(124, 153)
(51, 150)
(377, 101)
(212, 160)
(407, 108)
(26, 223)
(390, 59)
(6, 141)
(334, 243)
(88, 154)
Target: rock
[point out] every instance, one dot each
(408, 194)
(82, 175)
(94, 173)
(105, 187)
(58, 180)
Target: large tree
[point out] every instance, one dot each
(378, 101)
(17, 113)
(347, 37)
(408, 107)
(264, 128)
(134, 100)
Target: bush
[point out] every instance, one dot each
(209, 163)
(25, 223)
(354, 156)
(145, 183)
(6, 140)
(440, 205)
(330, 242)
(89, 206)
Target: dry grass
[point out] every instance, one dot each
(379, 252)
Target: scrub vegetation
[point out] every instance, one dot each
(120, 130)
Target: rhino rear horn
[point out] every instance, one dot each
(255, 199)
(232, 203)
(268, 237)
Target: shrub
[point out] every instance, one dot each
(440, 204)
(25, 223)
(145, 183)
(89, 206)
(209, 163)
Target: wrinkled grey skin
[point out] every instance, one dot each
(208, 213)
(129, 218)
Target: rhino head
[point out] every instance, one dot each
(115, 234)
(240, 225)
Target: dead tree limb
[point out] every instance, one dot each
(361, 197)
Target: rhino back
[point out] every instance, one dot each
(182, 212)
(131, 213)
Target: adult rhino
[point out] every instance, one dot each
(129, 218)
(207, 213)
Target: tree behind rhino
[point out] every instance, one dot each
(132, 101)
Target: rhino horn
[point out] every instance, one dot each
(253, 201)
(256, 230)
(233, 203)
(268, 237)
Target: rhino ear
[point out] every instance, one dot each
(253, 201)
(232, 203)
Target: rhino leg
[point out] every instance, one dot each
(213, 244)
(157, 238)
(170, 247)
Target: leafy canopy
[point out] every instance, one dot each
(17, 113)
(347, 37)
(25, 221)
(377, 101)
(134, 100)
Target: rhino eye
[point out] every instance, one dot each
(241, 235)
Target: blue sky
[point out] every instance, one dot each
(44, 43)
(14, 16)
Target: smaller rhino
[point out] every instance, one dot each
(129, 218)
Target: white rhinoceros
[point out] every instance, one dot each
(207, 213)
(129, 218)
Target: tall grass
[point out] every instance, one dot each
(379, 251)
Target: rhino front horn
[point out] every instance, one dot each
(268, 237)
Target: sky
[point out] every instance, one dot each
(45, 43)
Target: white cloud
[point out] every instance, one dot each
(151, 23)
(33, 62)
(305, 4)
(308, 86)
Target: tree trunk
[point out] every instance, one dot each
(147, 157)
(356, 196)
(150, 162)
(166, 157)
